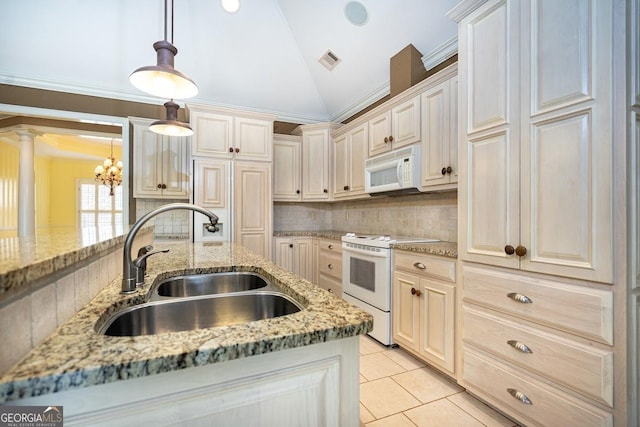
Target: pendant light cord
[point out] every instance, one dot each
(166, 19)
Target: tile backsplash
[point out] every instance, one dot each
(431, 215)
(172, 224)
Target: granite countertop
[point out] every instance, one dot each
(24, 260)
(447, 249)
(75, 356)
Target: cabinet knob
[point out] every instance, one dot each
(419, 265)
(290, 245)
(330, 290)
(330, 266)
(330, 246)
(415, 292)
(390, 138)
(231, 149)
(345, 188)
(164, 186)
(519, 396)
(386, 139)
(159, 185)
(521, 251)
(237, 150)
(520, 298)
(509, 250)
(325, 191)
(519, 346)
(444, 171)
(297, 191)
(449, 169)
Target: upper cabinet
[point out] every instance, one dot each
(160, 163)
(535, 186)
(317, 153)
(231, 134)
(350, 153)
(440, 132)
(287, 178)
(396, 127)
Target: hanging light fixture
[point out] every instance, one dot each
(162, 80)
(171, 126)
(109, 172)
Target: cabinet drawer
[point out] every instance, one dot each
(331, 264)
(330, 284)
(331, 245)
(576, 309)
(585, 369)
(547, 406)
(436, 267)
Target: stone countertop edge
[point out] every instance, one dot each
(76, 356)
(31, 259)
(446, 249)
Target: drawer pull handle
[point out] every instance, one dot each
(520, 298)
(420, 265)
(330, 246)
(519, 346)
(330, 266)
(520, 396)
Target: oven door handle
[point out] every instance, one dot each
(365, 252)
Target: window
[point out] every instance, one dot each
(100, 215)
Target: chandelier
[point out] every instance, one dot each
(109, 172)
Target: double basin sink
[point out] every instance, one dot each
(199, 301)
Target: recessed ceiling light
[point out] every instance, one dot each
(230, 6)
(356, 13)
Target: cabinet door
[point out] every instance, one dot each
(489, 182)
(379, 133)
(147, 162)
(283, 252)
(175, 167)
(253, 139)
(253, 207)
(406, 311)
(358, 154)
(212, 134)
(286, 171)
(303, 258)
(315, 165)
(437, 323)
(566, 145)
(405, 123)
(436, 135)
(211, 183)
(453, 129)
(341, 166)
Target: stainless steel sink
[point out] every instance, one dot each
(208, 284)
(186, 314)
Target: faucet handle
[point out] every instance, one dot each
(145, 249)
(141, 261)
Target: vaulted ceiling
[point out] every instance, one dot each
(263, 57)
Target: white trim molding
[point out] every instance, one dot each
(441, 53)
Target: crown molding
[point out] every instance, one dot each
(463, 9)
(441, 53)
(362, 103)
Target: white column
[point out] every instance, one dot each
(26, 185)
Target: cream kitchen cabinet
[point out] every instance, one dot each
(317, 153)
(231, 134)
(440, 131)
(350, 153)
(330, 265)
(296, 255)
(535, 185)
(396, 127)
(287, 173)
(211, 190)
(424, 307)
(160, 163)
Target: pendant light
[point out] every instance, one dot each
(109, 172)
(162, 80)
(171, 126)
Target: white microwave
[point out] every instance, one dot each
(398, 170)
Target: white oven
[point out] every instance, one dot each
(366, 277)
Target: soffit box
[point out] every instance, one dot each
(406, 69)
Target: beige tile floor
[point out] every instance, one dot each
(397, 390)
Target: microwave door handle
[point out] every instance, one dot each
(399, 172)
(365, 252)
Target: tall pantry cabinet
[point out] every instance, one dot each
(232, 153)
(536, 207)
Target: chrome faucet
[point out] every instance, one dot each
(130, 267)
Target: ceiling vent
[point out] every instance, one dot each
(329, 60)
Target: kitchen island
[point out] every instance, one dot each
(299, 369)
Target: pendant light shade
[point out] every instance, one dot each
(171, 126)
(162, 80)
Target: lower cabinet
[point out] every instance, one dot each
(330, 266)
(424, 308)
(296, 255)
